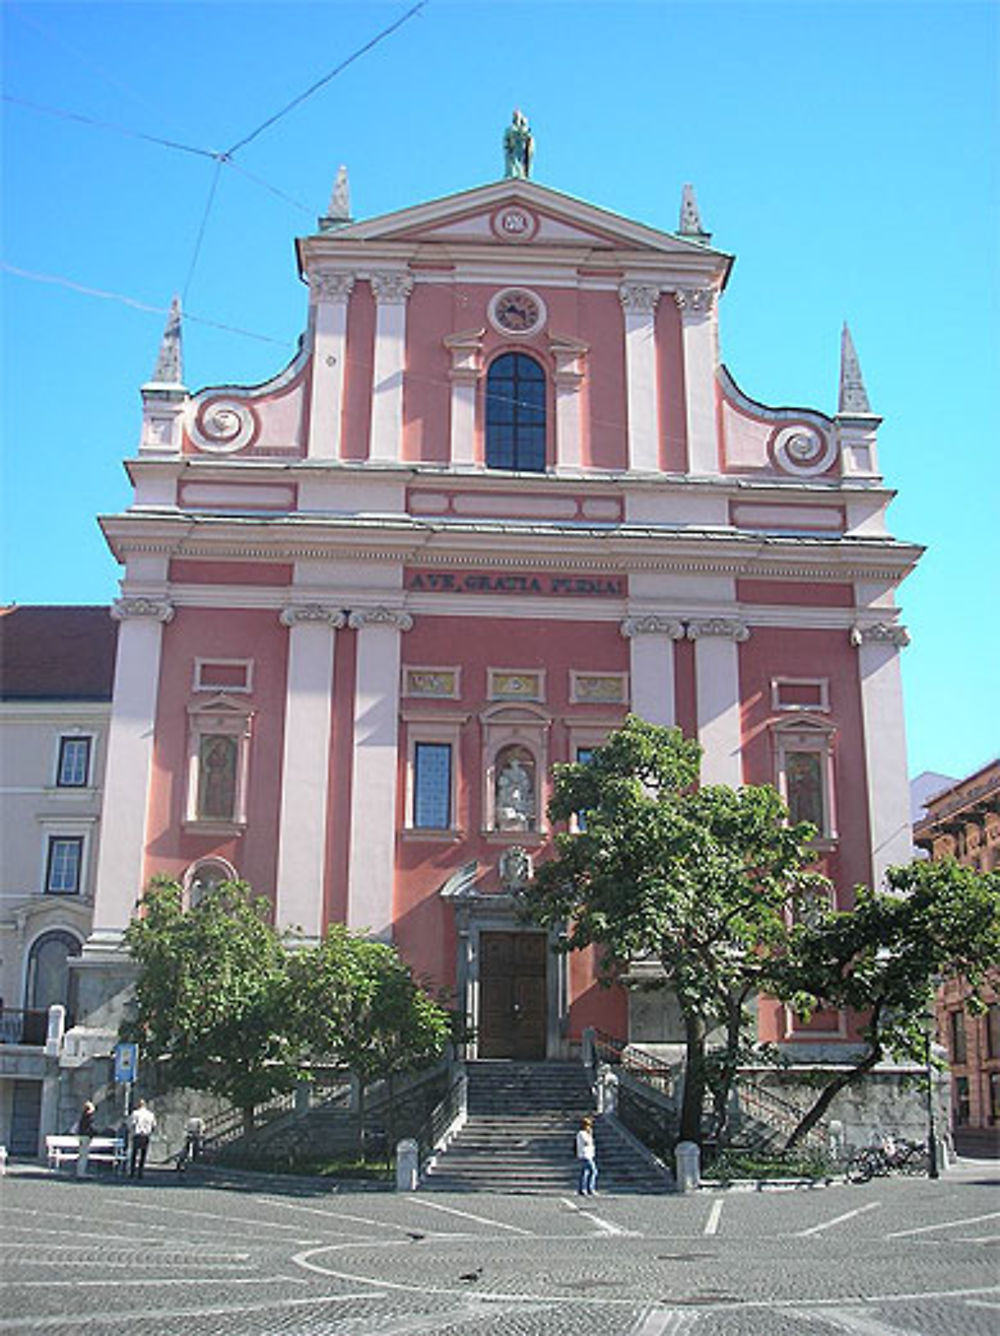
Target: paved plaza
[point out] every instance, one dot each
(173, 1255)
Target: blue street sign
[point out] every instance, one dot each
(126, 1063)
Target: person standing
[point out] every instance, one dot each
(142, 1124)
(586, 1153)
(85, 1130)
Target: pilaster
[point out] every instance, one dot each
(331, 292)
(466, 349)
(306, 766)
(570, 357)
(717, 686)
(639, 302)
(127, 775)
(373, 789)
(651, 661)
(878, 645)
(391, 289)
(696, 306)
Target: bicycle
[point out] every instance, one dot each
(878, 1161)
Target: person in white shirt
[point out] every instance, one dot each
(141, 1123)
(586, 1153)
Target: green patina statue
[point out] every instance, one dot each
(518, 146)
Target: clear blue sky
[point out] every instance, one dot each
(847, 154)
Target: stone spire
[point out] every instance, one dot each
(853, 398)
(169, 369)
(339, 212)
(690, 224)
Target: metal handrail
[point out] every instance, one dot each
(442, 1116)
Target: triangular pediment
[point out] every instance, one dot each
(518, 214)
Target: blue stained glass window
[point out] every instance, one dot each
(515, 414)
(432, 785)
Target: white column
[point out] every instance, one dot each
(717, 686)
(698, 340)
(639, 304)
(570, 361)
(306, 767)
(373, 790)
(651, 662)
(466, 369)
(127, 775)
(885, 744)
(332, 292)
(391, 290)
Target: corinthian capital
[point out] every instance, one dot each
(652, 625)
(391, 286)
(298, 614)
(380, 616)
(728, 627)
(694, 301)
(640, 298)
(124, 609)
(329, 286)
(880, 633)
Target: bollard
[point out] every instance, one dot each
(407, 1165)
(687, 1157)
(3, 1160)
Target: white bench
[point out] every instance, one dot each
(103, 1150)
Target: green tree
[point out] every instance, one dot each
(358, 1003)
(212, 997)
(699, 879)
(885, 958)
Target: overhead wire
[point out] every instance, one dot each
(321, 83)
(221, 159)
(59, 280)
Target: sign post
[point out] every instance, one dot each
(126, 1070)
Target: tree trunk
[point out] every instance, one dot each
(829, 1093)
(694, 1079)
(248, 1120)
(720, 1095)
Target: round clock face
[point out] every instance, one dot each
(516, 311)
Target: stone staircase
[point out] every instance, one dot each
(519, 1137)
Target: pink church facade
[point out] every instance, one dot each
(505, 494)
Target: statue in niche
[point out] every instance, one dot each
(217, 778)
(518, 146)
(515, 796)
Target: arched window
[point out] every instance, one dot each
(515, 414)
(49, 980)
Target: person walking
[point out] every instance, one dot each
(586, 1153)
(142, 1123)
(85, 1130)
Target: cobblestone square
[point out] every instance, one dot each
(259, 1257)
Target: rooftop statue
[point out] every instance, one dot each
(518, 146)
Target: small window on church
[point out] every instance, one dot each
(432, 785)
(515, 414)
(804, 764)
(804, 782)
(218, 754)
(217, 757)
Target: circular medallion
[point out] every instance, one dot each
(802, 450)
(514, 223)
(517, 311)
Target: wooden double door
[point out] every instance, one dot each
(513, 991)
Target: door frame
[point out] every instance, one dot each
(477, 912)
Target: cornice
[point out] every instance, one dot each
(556, 555)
